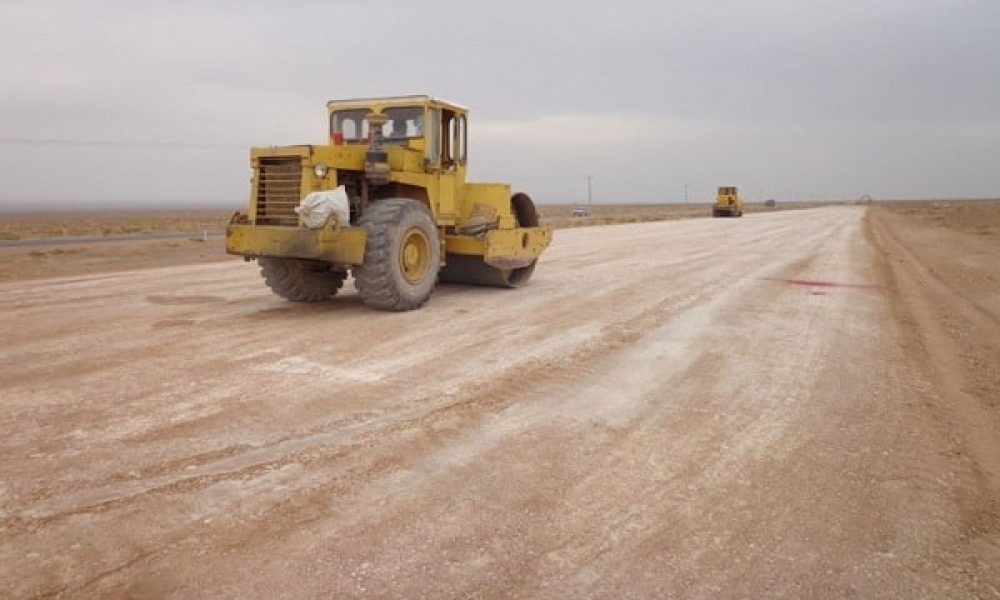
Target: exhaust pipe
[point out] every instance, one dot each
(376, 158)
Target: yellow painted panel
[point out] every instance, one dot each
(344, 246)
(501, 245)
(523, 242)
(463, 244)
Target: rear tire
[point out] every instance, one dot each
(402, 255)
(301, 280)
(525, 213)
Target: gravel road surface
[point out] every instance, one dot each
(704, 408)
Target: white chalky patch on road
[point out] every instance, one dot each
(299, 365)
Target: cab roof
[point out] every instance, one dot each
(395, 101)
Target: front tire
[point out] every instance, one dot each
(301, 280)
(402, 255)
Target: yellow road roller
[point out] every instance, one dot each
(727, 203)
(385, 199)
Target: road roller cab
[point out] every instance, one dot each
(386, 199)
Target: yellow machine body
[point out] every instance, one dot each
(425, 151)
(728, 203)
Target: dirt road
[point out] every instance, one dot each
(706, 408)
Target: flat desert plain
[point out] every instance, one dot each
(793, 404)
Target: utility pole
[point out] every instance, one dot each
(685, 193)
(590, 197)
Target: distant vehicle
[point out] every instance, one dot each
(580, 211)
(769, 203)
(728, 203)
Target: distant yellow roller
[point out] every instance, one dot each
(728, 203)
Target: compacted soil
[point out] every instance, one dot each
(792, 404)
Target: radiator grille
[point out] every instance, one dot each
(279, 185)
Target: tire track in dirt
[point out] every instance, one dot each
(967, 419)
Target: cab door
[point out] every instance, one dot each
(445, 159)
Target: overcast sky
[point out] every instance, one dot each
(156, 103)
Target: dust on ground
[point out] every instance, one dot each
(810, 417)
(941, 260)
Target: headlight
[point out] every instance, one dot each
(320, 170)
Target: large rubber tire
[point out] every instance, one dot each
(402, 255)
(301, 280)
(525, 213)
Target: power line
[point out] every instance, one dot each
(11, 141)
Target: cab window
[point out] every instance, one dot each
(455, 139)
(433, 129)
(404, 123)
(351, 126)
(461, 139)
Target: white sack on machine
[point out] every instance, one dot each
(318, 206)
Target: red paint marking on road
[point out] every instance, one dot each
(817, 283)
